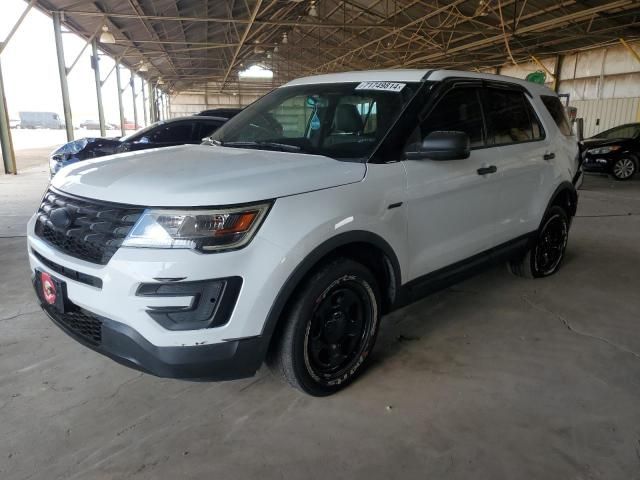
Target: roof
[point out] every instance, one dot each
(400, 75)
(198, 45)
(412, 76)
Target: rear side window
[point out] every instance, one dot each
(511, 118)
(458, 110)
(558, 113)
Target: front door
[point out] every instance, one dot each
(451, 204)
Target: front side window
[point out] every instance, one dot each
(625, 131)
(558, 113)
(510, 117)
(342, 121)
(458, 110)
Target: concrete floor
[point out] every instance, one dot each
(497, 378)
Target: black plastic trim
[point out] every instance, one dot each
(68, 272)
(356, 236)
(212, 302)
(228, 360)
(447, 276)
(573, 194)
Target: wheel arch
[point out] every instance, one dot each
(365, 247)
(564, 196)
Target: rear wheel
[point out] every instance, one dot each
(545, 256)
(624, 168)
(330, 329)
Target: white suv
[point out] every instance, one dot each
(286, 235)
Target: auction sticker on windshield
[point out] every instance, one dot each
(384, 86)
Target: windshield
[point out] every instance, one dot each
(342, 121)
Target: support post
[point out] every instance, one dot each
(62, 71)
(144, 104)
(135, 107)
(8, 155)
(557, 70)
(119, 85)
(152, 103)
(95, 64)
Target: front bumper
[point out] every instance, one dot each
(596, 164)
(222, 361)
(131, 326)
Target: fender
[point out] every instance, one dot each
(311, 260)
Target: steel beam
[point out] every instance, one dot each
(135, 107)
(8, 155)
(245, 21)
(62, 71)
(628, 47)
(16, 25)
(119, 84)
(254, 14)
(95, 64)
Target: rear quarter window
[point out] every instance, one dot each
(558, 113)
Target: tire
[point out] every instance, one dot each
(545, 256)
(624, 168)
(329, 329)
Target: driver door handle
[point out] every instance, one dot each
(487, 170)
(549, 156)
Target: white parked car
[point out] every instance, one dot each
(290, 232)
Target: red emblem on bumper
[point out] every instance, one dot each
(48, 288)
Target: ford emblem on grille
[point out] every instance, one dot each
(60, 218)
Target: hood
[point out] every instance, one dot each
(202, 175)
(88, 147)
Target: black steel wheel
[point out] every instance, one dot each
(545, 256)
(330, 329)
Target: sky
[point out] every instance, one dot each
(30, 71)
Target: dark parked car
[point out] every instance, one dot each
(177, 131)
(221, 112)
(615, 151)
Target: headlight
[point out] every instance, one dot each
(203, 230)
(604, 150)
(54, 166)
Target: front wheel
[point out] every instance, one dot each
(624, 168)
(545, 256)
(330, 329)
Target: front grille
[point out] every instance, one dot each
(86, 229)
(79, 322)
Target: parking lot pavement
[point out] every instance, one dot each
(497, 377)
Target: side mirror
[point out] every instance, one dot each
(443, 146)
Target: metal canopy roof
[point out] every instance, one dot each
(198, 44)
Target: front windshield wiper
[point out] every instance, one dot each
(211, 141)
(283, 147)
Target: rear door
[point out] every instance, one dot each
(451, 203)
(524, 159)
